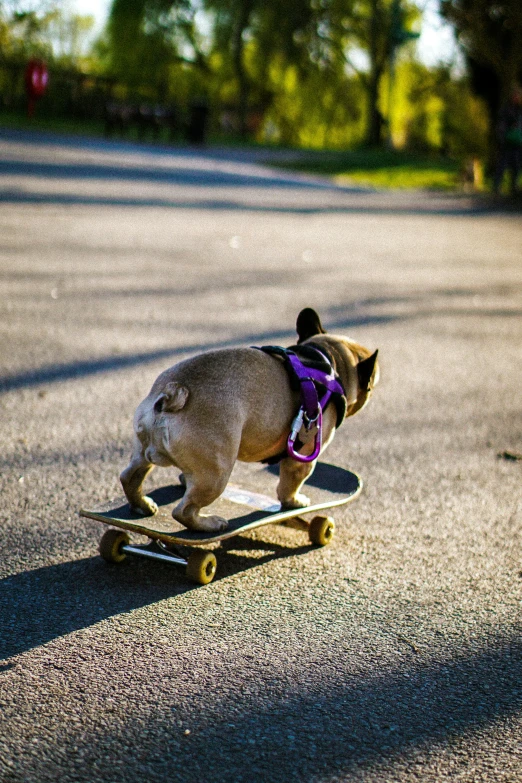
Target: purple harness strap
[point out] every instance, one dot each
(311, 409)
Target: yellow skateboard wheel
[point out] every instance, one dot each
(201, 567)
(321, 530)
(111, 545)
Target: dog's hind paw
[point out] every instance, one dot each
(204, 524)
(211, 524)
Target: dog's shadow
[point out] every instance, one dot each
(80, 593)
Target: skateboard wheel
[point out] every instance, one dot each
(321, 530)
(201, 567)
(111, 545)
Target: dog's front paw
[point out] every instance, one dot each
(146, 508)
(298, 501)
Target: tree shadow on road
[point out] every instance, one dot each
(328, 723)
(356, 722)
(342, 318)
(446, 206)
(275, 730)
(83, 368)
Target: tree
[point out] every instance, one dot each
(147, 37)
(311, 35)
(252, 50)
(267, 30)
(376, 28)
(490, 32)
(69, 34)
(42, 28)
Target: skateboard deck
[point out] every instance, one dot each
(328, 487)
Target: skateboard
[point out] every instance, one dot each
(328, 487)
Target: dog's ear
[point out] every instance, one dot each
(365, 370)
(308, 324)
(172, 399)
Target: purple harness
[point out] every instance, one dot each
(311, 409)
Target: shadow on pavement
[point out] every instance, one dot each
(211, 169)
(278, 731)
(55, 373)
(47, 603)
(158, 175)
(433, 204)
(81, 369)
(358, 720)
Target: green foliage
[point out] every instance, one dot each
(153, 48)
(313, 110)
(55, 124)
(434, 111)
(307, 73)
(47, 30)
(310, 38)
(137, 57)
(490, 32)
(43, 29)
(419, 177)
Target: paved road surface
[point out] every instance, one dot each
(392, 655)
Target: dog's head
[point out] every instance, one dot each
(355, 365)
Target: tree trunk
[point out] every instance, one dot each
(374, 137)
(238, 47)
(374, 117)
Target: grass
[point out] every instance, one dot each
(403, 177)
(381, 168)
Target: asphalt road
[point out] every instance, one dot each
(395, 653)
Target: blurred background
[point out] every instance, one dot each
(392, 93)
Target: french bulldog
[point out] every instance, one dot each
(232, 404)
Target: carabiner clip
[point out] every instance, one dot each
(296, 427)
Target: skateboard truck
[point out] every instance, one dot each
(200, 565)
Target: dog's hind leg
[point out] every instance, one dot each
(201, 490)
(132, 479)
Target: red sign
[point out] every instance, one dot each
(36, 78)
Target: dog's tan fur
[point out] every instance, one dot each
(205, 413)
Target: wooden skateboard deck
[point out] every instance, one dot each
(328, 487)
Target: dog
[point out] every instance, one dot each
(232, 404)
